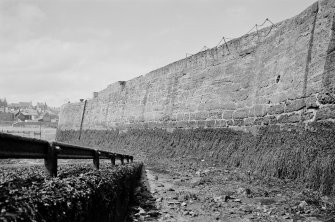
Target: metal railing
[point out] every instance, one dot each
(17, 147)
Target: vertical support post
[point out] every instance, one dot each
(127, 159)
(96, 159)
(50, 161)
(132, 159)
(122, 160)
(82, 120)
(113, 160)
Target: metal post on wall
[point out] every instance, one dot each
(82, 120)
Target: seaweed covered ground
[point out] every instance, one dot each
(79, 193)
(200, 193)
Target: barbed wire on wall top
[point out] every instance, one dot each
(223, 39)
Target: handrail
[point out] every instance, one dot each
(18, 147)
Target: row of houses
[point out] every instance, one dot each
(26, 112)
(28, 115)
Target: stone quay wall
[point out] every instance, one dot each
(282, 76)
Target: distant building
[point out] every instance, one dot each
(48, 117)
(26, 115)
(41, 107)
(3, 103)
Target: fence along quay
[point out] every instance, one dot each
(17, 147)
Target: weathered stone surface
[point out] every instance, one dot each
(259, 110)
(227, 115)
(311, 102)
(241, 114)
(276, 109)
(294, 105)
(221, 123)
(305, 116)
(327, 112)
(326, 98)
(289, 118)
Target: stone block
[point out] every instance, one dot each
(259, 110)
(294, 105)
(180, 116)
(227, 114)
(201, 123)
(305, 116)
(311, 102)
(210, 123)
(249, 121)
(229, 106)
(192, 124)
(259, 121)
(241, 114)
(326, 98)
(220, 123)
(230, 122)
(327, 112)
(201, 115)
(289, 118)
(276, 109)
(215, 115)
(238, 122)
(182, 124)
(186, 116)
(267, 120)
(193, 116)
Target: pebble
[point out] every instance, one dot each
(141, 211)
(302, 204)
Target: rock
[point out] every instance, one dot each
(156, 177)
(237, 200)
(141, 211)
(198, 173)
(153, 213)
(247, 191)
(217, 198)
(226, 198)
(183, 204)
(160, 199)
(193, 214)
(175, 197)
(171, 189)
(243, 191)
(160, 185)
(302, 204)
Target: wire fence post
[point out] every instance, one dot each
(50, 161)
(96, 159)
(113, 160)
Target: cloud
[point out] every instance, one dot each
(18, 21)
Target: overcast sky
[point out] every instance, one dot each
(58, 50)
